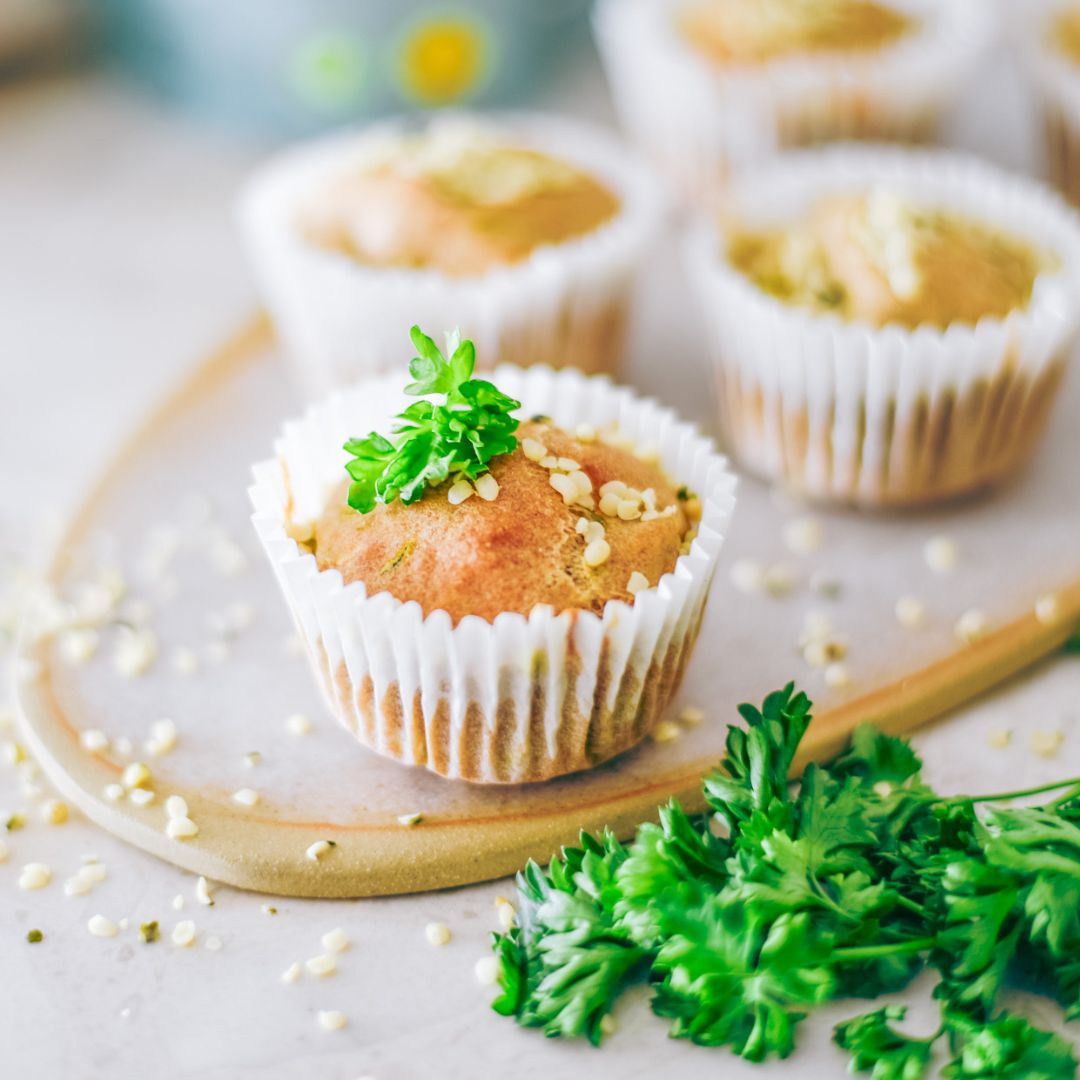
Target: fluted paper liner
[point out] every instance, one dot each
(701, 122)
(891, 416)
(521, 698)
(565, 304)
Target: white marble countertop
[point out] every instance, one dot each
(118, 267)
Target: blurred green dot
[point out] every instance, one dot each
(328, 71)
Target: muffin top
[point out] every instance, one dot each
(738, 32)
(1064, 32)
(457, 199)
(547, 536)
(878, 259)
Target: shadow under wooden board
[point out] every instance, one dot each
(171, 514)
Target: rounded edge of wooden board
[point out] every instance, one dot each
(385, 858)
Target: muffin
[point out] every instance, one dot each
(710, 86)
(525, 229)
(530, 619)
(888, 327)
(1050, 33)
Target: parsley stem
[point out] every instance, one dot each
(1074, 782)
(871, 952)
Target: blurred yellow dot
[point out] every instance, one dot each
(442, 60)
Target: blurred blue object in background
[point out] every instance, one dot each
(290, 66)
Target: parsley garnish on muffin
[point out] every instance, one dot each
(432, 442)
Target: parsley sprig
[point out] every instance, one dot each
(785, 896)
(432, 442)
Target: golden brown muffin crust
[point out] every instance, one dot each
(878, 260)
(520, 550)
(756, 31)
(449, 222)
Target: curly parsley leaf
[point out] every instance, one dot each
(432, 442)
(731, 977)
(1009, 1048)
(876, 1047)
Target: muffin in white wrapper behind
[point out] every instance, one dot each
(891, 415)
(701, 120)
(1055, 77)
(521, 697)
(340, 319)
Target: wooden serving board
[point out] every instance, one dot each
(1014, 545)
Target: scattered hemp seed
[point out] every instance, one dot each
(185, 661)
(998, 738)
(252, 758)
(779, 580)
(141, 796)
(298, 724)
(825, 586)
(34, 936)
(320, 848)
(135, 652)
(638, 583)
(608, 1025)
(34, 875)
(136, 775)
(335, 941)
(181, 828)
(213, 943)
(941, 554)
(971, 627)
(437, 933)
(487, 487)
(100, 926)
(162, 739)
(487, 970)
(97, 742)
(246, 796)
(204, 892)
(1047, 609)
(837, 676)
(149, 932)
(114, 792)
(176, 806)
(459, 491)
(292, 973)
(269, 909)
(505, 912)
(803, 535)
(691, 715)
(1046, 743)
(332, 1019)
(910, 612)
(410, 819)
(14, 822)
(322, 966)
(77, 646)
(183, 934)
(666, 731)
(54, 812)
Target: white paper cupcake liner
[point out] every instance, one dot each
(700, 122)
(890, 416)
(521, 698)
(1056, 81)
(566, 304)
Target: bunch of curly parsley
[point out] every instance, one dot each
(782, 898)
(432, 442)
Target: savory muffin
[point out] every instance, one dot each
(527, 546)
(878, 258)
(889, 327)
(526, 231)
(735, 32)
(496, 600)
(455, 200)
(711, 87)
(1048, 32)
